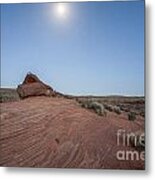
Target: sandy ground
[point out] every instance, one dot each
(56, 132)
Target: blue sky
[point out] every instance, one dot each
(97, 48)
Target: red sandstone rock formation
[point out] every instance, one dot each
(33, 86)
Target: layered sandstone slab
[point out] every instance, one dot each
(56, 132)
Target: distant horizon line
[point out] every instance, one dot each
(85, 94)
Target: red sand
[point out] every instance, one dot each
(56, 132)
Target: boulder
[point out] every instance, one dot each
(33, 86)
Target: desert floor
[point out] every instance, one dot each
(57, 132)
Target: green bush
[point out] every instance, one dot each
(112, 108)
(109, 107)
(117, 110)
(131, 116)
(95, 106)
(85, 104)
(8, 96)
(98, 108)
(142, 114)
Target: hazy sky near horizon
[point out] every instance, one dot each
(82, 48)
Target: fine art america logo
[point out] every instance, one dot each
(127, 140)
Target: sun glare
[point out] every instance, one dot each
(61, 10)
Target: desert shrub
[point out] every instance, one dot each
(98, 108)
(109, 107)
(112, 108)
(122, 108)
(8, 96)
(84, 103)
(104, 113)
(142, 114)
(78, 100)
(95, 106)
(116, 109)
(131, 116)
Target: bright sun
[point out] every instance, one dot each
(61, 10)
